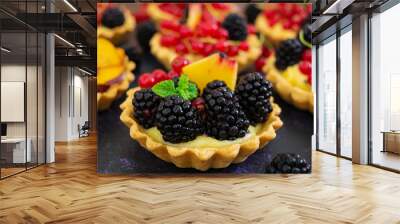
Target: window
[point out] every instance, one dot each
(385, 89)
(346, 92)
(327, 95)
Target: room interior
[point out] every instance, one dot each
(356, 158)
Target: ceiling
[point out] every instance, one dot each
(22, 20)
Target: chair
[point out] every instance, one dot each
(84, 130)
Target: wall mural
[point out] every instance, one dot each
(204, 88)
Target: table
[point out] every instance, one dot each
(391, 141)
(16, 147)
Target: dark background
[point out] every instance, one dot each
(118, 153)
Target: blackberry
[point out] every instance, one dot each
(252, 12)
(254, 93)
(236, 27)
(225, 118)
(177, 120)
(145, 103)
(288, 53)
(306, 32)
(213, 85)
(289, 163)
(113, 17)
(144, 33)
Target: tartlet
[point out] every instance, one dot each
(276, 25)
(202, 35)
(114, 73)
(116, 33)
(202, 118)
(172, 11)
(165, 54)
(291, 85)
(200, 158)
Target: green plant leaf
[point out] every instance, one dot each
(165, 88)
(186, 89)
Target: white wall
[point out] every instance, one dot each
(71, 94)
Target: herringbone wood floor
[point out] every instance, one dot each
(70, 191)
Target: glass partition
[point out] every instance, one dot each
(22, 77)
(385, 89)
(327, 95)
(346, 92)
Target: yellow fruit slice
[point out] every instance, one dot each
(108, 74)
(107, 54)
(214, 67)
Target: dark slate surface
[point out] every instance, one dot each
(119, 154)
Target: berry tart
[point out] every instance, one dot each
(197, 116)
(203, 35)
(159, 12)
(114, 73)
(115, 24)
(282, 21)
(289, 69)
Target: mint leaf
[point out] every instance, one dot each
(165, 88)
(186, 89)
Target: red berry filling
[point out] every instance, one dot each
(207, 37)
(290, 15)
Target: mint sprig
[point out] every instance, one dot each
(186, 89)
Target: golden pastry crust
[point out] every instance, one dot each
(118, 34)
(115, 91)
(292, 94)
(274, 34)
(201, 158)
(157, 14)
(245, 58)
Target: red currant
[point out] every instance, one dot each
(233, 51)
(222, 46)
(146, 80)
(159, 75)
(266, 52)
(307, 56)
(178, 63)
(197, 46)
(169, 41)
(244, 46)
(251, 29)
(181, 49)
(260, 62)
(185, 32)
(172, 74)
(305, 67)
(170, 25)
(208, 49)
(221, 34)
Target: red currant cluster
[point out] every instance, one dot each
(305, 65)
(260, 62)
(209, 36)
(148, 80)
(141, 14)
(290, 15)
(175, 9)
